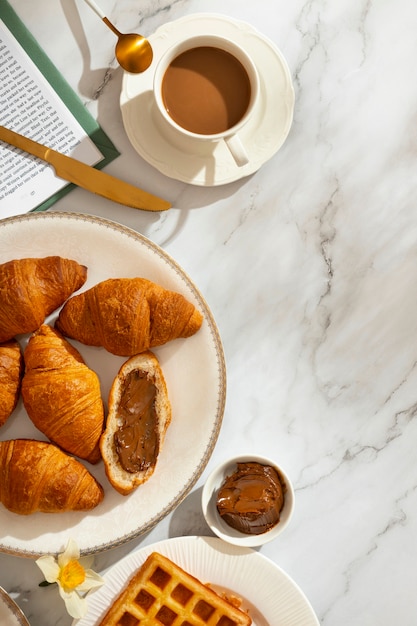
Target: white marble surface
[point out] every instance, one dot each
(310, 269)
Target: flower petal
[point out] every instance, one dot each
(86, 561)
(71, 553)
(92, 581)
(75, 605)
(54, 569)
(49, 568)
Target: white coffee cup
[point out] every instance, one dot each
(206, 88)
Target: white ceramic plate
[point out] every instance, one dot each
(201, 163)
(10, 613)
(194, 369)
(266, 591)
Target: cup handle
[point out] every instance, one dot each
(237, 150)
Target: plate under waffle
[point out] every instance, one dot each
(163, 593)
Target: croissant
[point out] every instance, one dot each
(38, 476)
(31, 289)
(138, 418)
(62, 395)
(128, 316)
(11, 372)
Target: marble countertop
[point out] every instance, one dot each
(310, 269)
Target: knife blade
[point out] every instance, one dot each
(86, 176)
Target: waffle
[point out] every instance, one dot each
(163, 594)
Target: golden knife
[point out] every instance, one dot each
(87, 176)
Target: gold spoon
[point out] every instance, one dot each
(133, 52)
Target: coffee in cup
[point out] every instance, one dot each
(206, 88)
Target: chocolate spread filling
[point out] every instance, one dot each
(251, 499)
(137, 438)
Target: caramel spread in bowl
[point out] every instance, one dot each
(250, 500)
(137, 439)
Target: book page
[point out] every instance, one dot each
(30, 106)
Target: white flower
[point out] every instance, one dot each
(73, 577)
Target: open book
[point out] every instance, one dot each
(35, 101)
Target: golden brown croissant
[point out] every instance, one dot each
(31, 289)
(62, 395)
(11, 372)
(38, 476)
(128, 316)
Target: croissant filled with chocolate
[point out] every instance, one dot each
(62, 395)
(31, 289)
(38, 476)
(128, 316)
(11, 372)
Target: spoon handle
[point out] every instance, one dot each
(95, 8)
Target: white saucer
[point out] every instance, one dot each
(201, 163)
